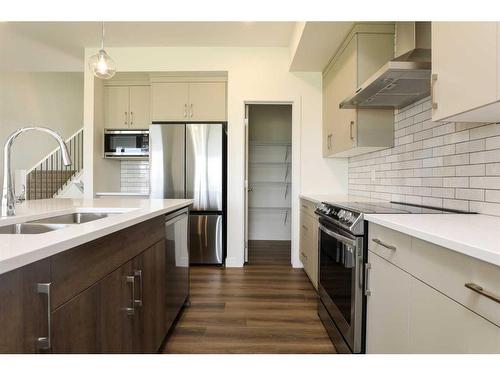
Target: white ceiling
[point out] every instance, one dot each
(67, 40)
(59, 46)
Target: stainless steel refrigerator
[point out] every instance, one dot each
(189, 161)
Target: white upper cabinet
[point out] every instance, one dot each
(116, 107)
(349, 132)
(465, 71)
(127, 107)
(189, 101)
(140, 107)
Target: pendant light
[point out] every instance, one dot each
(101, 65)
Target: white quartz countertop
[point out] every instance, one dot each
(474, 235)
(17, 250)
(120, 193)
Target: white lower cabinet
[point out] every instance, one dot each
(418, 303)
(387, 320)
(308, 244)
(438, 324)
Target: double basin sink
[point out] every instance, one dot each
(53, 223)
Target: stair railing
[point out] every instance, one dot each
(50, 174)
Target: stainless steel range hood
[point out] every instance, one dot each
(403, 80)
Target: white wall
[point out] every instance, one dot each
(106, 172)
(53, 100)
(254, 75)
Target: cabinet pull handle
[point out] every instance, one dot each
(138, 301)
(304, 206)
(304, 255)
(131, 118)
(131, 309)
(125, 122)
(191, 110)
(351, 125)
(306, 228)
(479, 289)
(185, 110)
(434, 78)
(44, 343)
(368, 267)
(386, 245)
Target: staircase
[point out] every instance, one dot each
(50, 176)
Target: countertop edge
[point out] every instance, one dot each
(24, 259)
(309, 198)
(460, 247)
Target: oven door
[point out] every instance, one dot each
(341, 282)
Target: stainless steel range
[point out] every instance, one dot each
(343, 251)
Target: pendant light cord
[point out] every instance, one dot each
(102, 35)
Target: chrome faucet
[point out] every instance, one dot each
(8, 196)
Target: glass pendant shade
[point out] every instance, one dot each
(102, 66)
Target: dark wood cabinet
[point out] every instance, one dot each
(117, 294)
(122, 313)
(23, 309)
(98, 320)
(149, 325)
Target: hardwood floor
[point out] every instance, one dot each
(265, 307)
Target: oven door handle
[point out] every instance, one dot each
(339, 237)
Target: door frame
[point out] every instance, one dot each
(295, 171)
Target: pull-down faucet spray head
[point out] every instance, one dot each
(8, 198)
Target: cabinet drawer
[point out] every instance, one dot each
(307, 206)
(449, 271)
(307, 226)
(303, 258)
(389, 244)
(76, 269)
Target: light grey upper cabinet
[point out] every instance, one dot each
(465, 71)
(170, 101)
(349, 132)
(189, 101)
(207, 101)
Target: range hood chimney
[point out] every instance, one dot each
(403, 80)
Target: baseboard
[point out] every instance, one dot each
(232, 262)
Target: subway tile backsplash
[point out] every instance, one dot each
(443, 164)
(134, 176)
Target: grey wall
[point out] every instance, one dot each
(54, 100)
(270, 123)
(444, 164)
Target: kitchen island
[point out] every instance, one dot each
(92, 276)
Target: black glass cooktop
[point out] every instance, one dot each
(391, 208)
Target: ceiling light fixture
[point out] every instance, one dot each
(101, 65)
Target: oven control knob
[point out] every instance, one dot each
(341, 214)
(349, 217)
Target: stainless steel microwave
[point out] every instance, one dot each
(126, 143)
